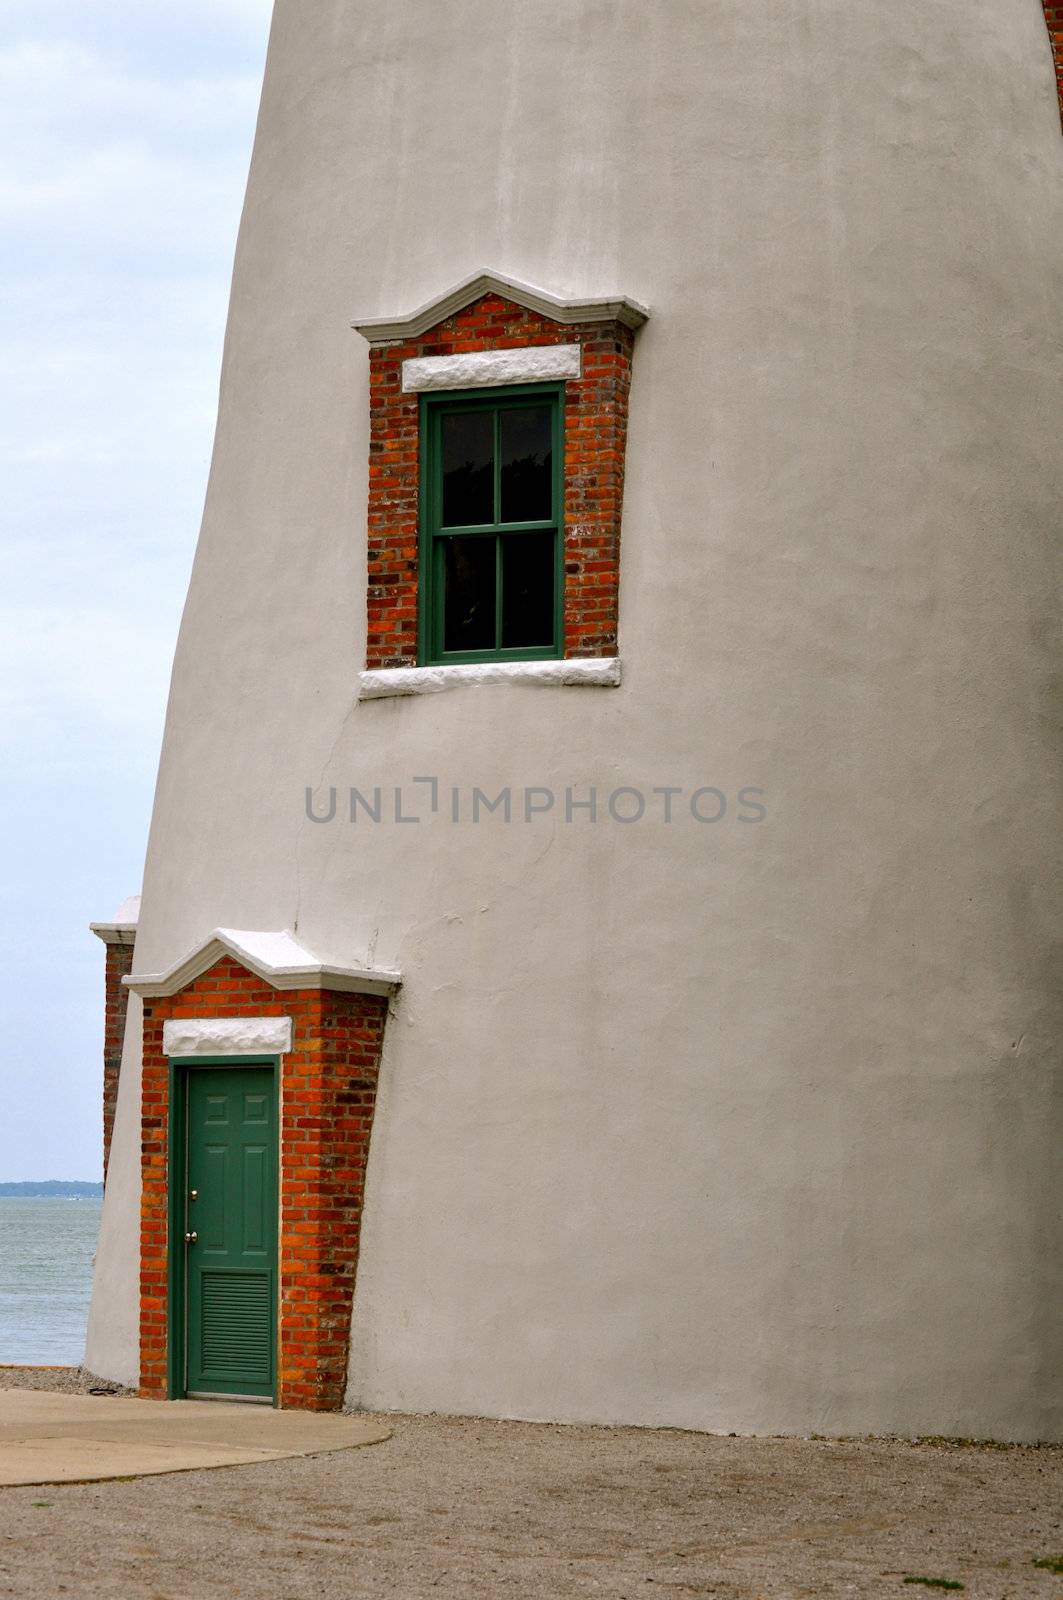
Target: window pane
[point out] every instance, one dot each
(527, 464)
(468, 469)
(469, 594)
(527, 589)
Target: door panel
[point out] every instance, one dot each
(231, 1267)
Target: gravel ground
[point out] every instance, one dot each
(67, 1380)
(452, 1507)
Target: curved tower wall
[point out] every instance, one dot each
(724, 1126)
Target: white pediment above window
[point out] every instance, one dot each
(607, 308)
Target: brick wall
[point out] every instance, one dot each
(119, 961)
(327, 1098)
(1054, 18)
(595, 436)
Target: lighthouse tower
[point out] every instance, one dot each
(595, 955)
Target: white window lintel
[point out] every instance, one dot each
(488, 369)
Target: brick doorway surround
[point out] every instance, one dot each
(119, 938)
(327, 1097)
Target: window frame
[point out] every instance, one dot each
(432, 536)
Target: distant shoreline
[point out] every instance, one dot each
(51, 1189)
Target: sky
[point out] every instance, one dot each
(125, 136)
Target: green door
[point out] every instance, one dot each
(231, 1231)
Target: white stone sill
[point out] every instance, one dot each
(600, 672)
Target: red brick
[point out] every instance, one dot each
(119, 961)
(1054, 19)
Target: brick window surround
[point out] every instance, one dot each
(327, 1095)
(495, 314)
(1054, 18)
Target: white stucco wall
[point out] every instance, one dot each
(739, 1127)
(113, 1344)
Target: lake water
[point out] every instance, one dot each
(46, 1250)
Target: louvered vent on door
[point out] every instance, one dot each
(237, 1325)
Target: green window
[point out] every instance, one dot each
(491, 525)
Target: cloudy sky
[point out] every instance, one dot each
(125, 135)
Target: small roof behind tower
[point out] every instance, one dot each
(123, 928)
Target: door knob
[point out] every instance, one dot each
(190, 1238)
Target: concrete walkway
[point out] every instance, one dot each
(74, 1438)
